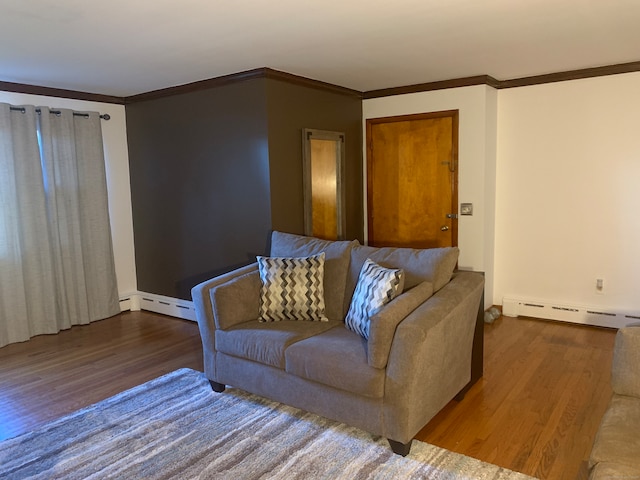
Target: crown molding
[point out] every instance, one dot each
(308, 82)
(428, 87)
(196, 86)
(262, 72)
(265, 72)
(572, 75)
(503, 84)
(59, 93)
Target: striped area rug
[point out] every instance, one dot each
(175, 427)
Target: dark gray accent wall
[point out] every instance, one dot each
(199, 166)
(291, 108)
(214, 170)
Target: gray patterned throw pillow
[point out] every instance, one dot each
(292, 288)
(376, 287)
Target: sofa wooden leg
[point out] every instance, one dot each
(217, 387)
(398, 448)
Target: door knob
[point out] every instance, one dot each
(444, 228)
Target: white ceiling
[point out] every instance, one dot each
(126, 47)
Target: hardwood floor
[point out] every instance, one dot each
(52, 375)
(536, 410)
(545, 388)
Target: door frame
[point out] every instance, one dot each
(454, 114)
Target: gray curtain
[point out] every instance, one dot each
(56, 255)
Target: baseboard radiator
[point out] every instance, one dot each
(511, 307)
(152, 302)
(586, 315)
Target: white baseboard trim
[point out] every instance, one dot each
(125, 304)
(152, 302)
(583, 314)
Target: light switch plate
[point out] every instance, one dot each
(466, 209)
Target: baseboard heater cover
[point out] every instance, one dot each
(151, 302)
(587, 315)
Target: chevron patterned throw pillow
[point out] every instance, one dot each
(376, 287)
(292, 288)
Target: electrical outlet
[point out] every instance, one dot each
(600, 286)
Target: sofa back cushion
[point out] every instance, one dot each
(625, 370)
(433, 265)
(336, 265)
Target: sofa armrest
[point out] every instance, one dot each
(201, 295)
(625, 371)
(384, 323)
(237, 300)
(430, 358)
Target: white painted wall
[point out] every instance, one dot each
(558, 209)
(117, 166)
(477, 107)
(568, 192)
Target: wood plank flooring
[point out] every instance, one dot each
(536, 410)
(52, 375)
(545, 388)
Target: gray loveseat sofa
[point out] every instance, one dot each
(616, 450)
(417, 358)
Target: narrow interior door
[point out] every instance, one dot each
(412, 180)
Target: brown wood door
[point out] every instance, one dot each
(412, 180)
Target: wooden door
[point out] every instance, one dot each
(412, 180)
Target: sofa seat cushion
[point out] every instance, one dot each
(617, 440)
(336, 266)
(337, 358)
(266, 342)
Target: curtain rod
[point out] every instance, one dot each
(105, 116)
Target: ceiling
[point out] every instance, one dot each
(127, 47)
